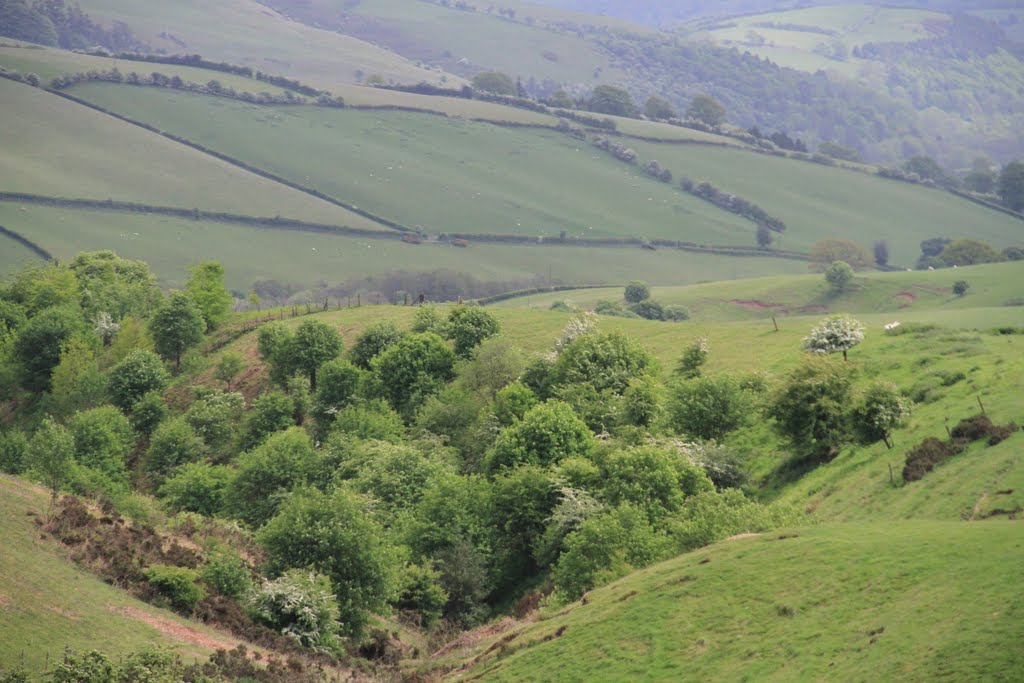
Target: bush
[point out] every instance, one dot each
(648, 310)
(676, 313)
(420, 591)
(924, 457)
(103, 440)
(148, 412)
(271, 413)
(265, 475)
(960, 287)
(301, 605)
(708, 408)
(227, 574)
(712, 516)
(880, 410)
(173, 444)
(724, 467)
(138, 374)
(547, 433)
(175, 587)
(196, 487)
(468, 326)
(228, 367)
(13, 445)
(214, 418)
(637, 291)
(370, 420)
(809, 409)
(372, 341)
(839, 276)
(693, 358)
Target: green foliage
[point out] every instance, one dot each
(960, 287)
(881, 249)
(926, 168)
(494, 82)
(39, 343)
(1011, 185)
(495, 364)
(523, 499)
(373, 419)
(148, 412)
(693, 359)
(420, 592)
(39, 286)
(113, 285)
(215, 418)
(837, 151)
(609, 99)
(879, 410)
(413, 369)
(642, 402)
(538, 377)
(968, 252)
(49, 455)
(337, 387)
(103, 440)
(675, 313)
(428, 319)
(13, 449)
(22, 22)
(176, 327)
(450, 414)
(547, 434)
(373, 340)
(809, 408)
(834, 333)
(827, 251)
(333, 534)
(227, 574)
(301, 605)
(196, 487)
(467, 326)
(708, 408)
(173, 444)
(266, 475)
(206, 287)
(637, 291)
(649, 310)
(395, 475)
(839, 276)
(313, 344)
(512, 403)
(654, 480)
(138, 374)
(604, 548)
(707, 110)
(230, 364)
(658, 109)
(77, 382)
(272, 412)
(712, 516)
(177, 587)
(603, 360)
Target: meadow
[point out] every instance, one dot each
(249, 33)
(249, 254)
(59, 148)
(441, 174)
(913, 601)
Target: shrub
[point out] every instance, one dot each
(712, 516)
(176, 587)
(693, 358)
(228, 367)
(676, 313)
(708, 407)
(103, 440)
(637, 291)
(547, 433)
(606, 361)
(420, 591)
(924, 457)
(214, 418)
(467, 326)
(370, 420)
(648, 310)
(301, 605)
(809, 409)
(972, 428)
(655, 480)
(724, 467)
(196, 487)
(839, 276)
(265, 475)
(148, 412)
(271, 413)
(880, 410)
(373, 340)
(960, 287)
(138, 374)
(173, 444)
(227, 574)
(13, 446)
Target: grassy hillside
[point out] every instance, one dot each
(47, 604)
(59, 148)
(248, 32)
(13, 254)
(790, 38)
(819, 201)
(250, 254)
(899, 293)
(913, 601)
(397, 165)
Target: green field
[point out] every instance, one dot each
(901, 293)
(250, 254)
(59, 148)
(818, 201)
(853, 25)
(442, 174)
(13, 254)
(48, 604)
(48, 63)
(247, 32)
(909, 601)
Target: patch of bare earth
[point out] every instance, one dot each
(180, 632)
(754, 304)
(471, 638)
(4, 600)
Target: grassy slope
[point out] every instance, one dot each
(56, 147)
(899, 293)
(443, 174)
(855, 25)
(423, 30)
(246, 32)
(13, 254)
(819, 201)
(912, 601)
(250, 254)
(49, 63)
(46, 604)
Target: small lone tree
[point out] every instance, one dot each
(658, 108)
(176, 327)
(694, 357)
(706, 109)
(834, 333)
(839, 276)
(960, 287)
(637, 291)
(764, 236)
(880, 410)
(313, 344)
(206, 287)
(881, 253)
(49, 455)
